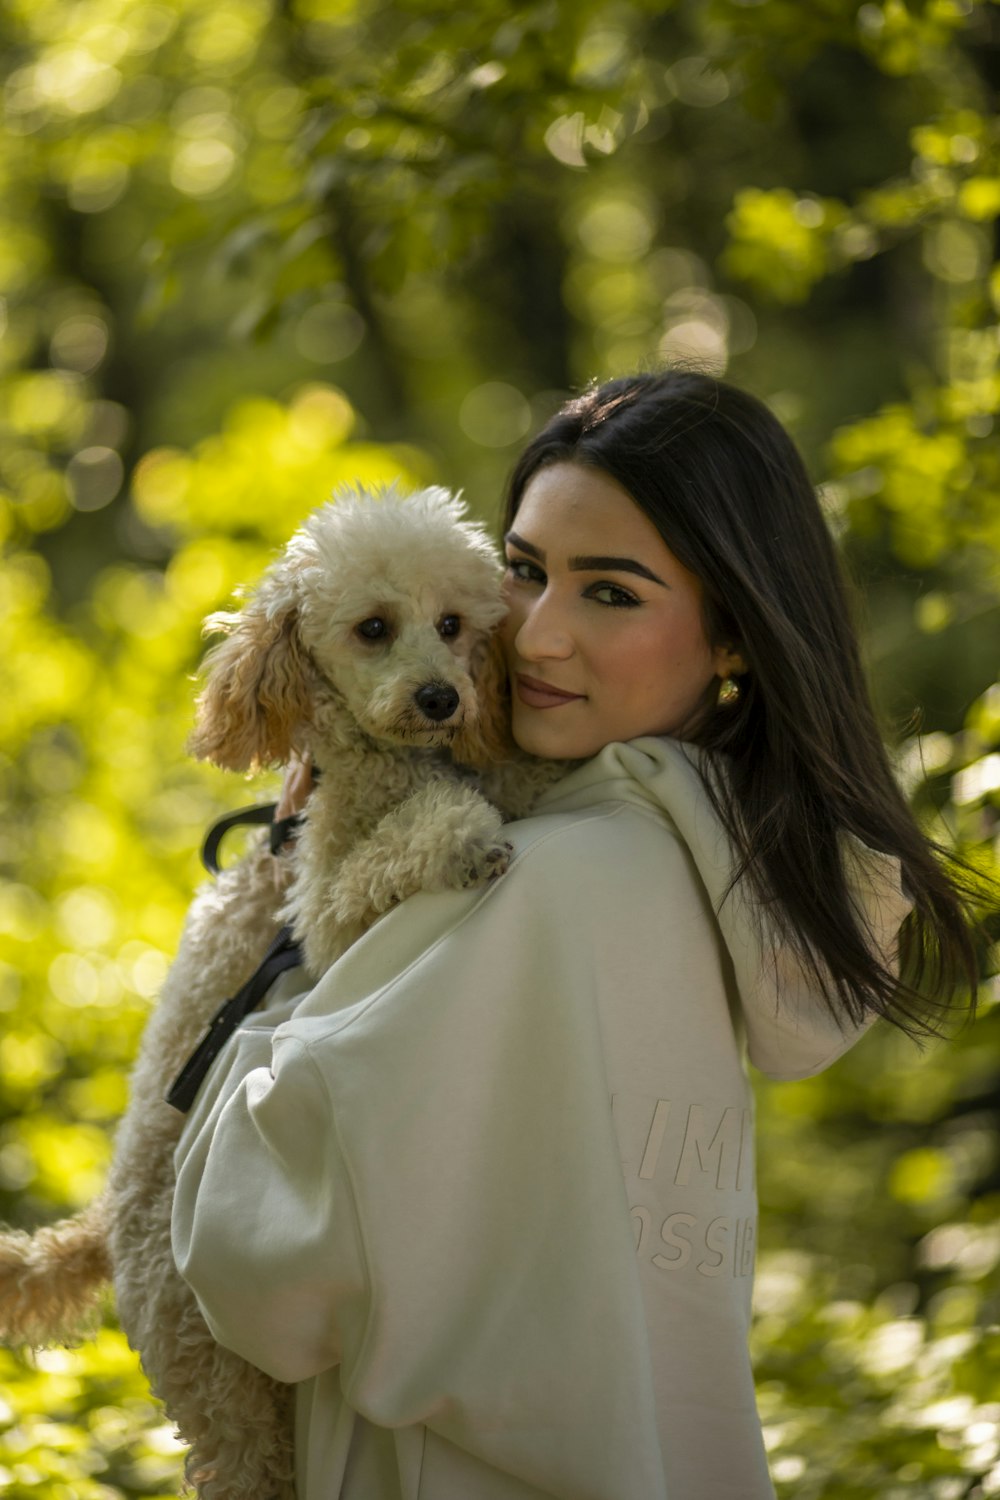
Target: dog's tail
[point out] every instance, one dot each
(50, 1280)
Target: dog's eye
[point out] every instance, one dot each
(449, 625)
(374, 629)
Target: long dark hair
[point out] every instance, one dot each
(797, 761)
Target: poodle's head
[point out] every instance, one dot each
(377, 622)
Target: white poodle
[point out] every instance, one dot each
(368, 647)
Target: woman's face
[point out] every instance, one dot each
(604, 639)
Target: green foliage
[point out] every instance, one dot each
(781, 244)
(251, 251)
(80, 1424)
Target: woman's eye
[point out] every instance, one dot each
(525, 571)
(449, 625)
(612, 594)
(374, 629)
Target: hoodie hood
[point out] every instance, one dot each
(791, 1031)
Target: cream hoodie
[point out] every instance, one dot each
(487, 1190)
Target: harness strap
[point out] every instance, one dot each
(284, 953)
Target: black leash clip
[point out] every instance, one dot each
(261, 813)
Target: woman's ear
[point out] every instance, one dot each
(258, 692)
(485, 738)
(729, 662)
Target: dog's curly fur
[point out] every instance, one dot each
(368, 646)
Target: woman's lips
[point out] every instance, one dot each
(542, 694)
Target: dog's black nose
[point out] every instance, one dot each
(437, 700)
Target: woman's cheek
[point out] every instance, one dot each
(510, 626)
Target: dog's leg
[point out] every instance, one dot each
(516, 783)
(235, 1418)
(50, 1281)
(443, 837)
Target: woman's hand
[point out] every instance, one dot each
(295, 789)
(297, 785)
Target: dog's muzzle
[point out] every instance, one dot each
(437, 701)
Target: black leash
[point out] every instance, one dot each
(284, 953)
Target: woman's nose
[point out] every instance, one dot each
(543, 633)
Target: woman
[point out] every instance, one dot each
(486, 1192)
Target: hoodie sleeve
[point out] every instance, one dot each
(361, 1198)
(258, 1185)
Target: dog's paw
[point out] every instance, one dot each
(360, 908)
(486, 863)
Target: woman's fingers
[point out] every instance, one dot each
(296, 787)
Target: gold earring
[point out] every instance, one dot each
(729, 692)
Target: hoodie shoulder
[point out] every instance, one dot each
(791, 1031)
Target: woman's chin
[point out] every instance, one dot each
(533, 733)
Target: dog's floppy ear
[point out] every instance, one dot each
(258, 691)
(485, 739)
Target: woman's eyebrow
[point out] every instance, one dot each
(519, 542)
(589, 564)
(615, 565)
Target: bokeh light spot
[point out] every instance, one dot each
(80, 342)
(95, 476)
(201, 167)
(616, 228)
(321, 417)
(329, 332)
(694, 81)
(495, 415)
